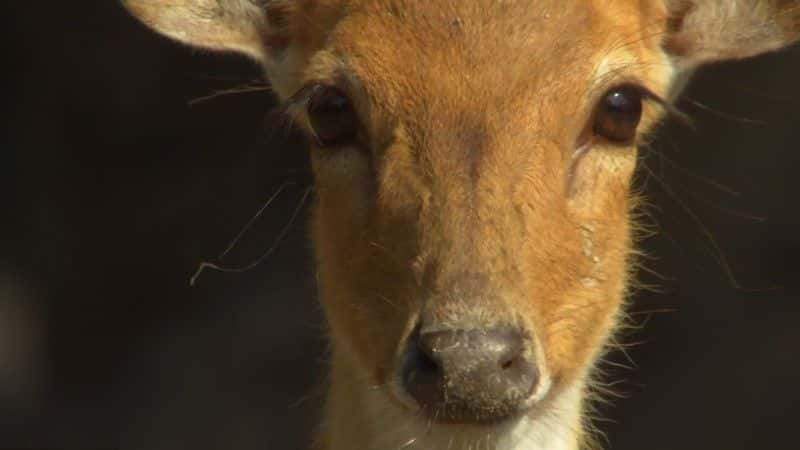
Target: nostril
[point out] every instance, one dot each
(419, 361)
(425, 363)
(422, 375)
(512, 353)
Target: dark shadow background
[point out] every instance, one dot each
(114, 188)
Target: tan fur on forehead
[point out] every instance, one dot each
(378, 40)
(451, 48)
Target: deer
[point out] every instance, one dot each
(474, 219)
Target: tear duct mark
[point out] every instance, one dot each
(587, 233)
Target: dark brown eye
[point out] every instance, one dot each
(331, 116)
(618, 114)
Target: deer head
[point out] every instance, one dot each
(473, 164)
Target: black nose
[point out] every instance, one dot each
(470, 376)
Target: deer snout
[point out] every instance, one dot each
(470, 376)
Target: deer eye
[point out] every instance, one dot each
(618, 114)
(331, 116)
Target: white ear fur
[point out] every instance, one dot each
(703, 31)
(228, 25)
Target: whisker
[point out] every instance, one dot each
(255, 217)
(725, 115)
(232, 91)
(263, 257)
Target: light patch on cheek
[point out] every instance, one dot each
(343, 175)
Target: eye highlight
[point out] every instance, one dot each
(618, 114)
(331, 116)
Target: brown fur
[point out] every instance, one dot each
(478, 195)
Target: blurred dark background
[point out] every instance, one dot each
(114, 188)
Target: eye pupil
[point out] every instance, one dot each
(618, 114)
(622, 102)
(331, 116)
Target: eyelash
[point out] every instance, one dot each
(669, 108)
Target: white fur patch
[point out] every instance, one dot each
(387, 426)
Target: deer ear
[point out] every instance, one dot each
(703, 31)
(229, 25)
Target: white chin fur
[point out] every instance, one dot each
(557, 426)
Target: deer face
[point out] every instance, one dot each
(476, 197)
(473, 163)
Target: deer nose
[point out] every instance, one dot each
(470, 376)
